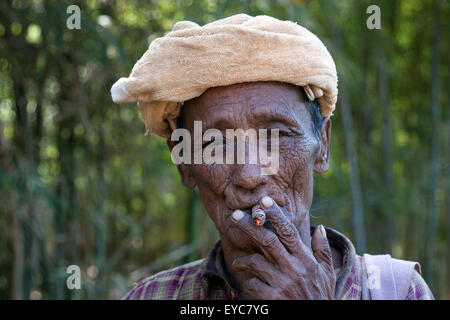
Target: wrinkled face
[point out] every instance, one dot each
(227, 187)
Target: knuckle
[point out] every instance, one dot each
(269, 239)
(250, 232)
(288, 230)
(251, 284)
(282, 289)
(256, 258)
(316, 270)
(300, 276)
(279, 293)
(252, 264)
(275, 214)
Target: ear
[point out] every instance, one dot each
(322, 161)
(187, 179)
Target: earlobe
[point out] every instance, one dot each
(322, 161)
(186, 177)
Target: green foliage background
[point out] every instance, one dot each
(81, 184)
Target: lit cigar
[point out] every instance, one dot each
(258, 215)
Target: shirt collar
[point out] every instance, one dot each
(215, 273)
(341, 243)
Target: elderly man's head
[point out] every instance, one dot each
(304, 139)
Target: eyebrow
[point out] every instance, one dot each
(221, 122)
(276, 116)
(268, 117)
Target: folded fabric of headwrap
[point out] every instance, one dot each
(191, 59)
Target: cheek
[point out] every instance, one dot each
(296, 173)
(214, 177)
(212, 181)
(297, 156)
(221, 217)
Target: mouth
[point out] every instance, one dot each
(246, 209)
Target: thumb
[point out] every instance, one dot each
(321, 248)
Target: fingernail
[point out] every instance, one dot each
(237, 215)
(266, 202)
(322, 230)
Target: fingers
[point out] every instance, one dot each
(286, 231)
(265, 239)
(257, 265)
(321, 248)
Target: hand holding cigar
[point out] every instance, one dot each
(286, 268)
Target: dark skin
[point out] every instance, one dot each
(279, 260)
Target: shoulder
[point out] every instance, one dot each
(390, 278)
(182, 282)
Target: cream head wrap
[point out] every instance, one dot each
(190, 59)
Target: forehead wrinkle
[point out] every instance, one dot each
(281, 111)
(222, 116)
(230, 107)
(227, 112)
(292, 107)
(279, 96)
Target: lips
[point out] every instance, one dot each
(245, 207)
(247, 210)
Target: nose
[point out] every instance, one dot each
(248, 177)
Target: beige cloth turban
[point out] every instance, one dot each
(190, 59)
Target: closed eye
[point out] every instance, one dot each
(281, 132)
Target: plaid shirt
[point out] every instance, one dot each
(207, 278)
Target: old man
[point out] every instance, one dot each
(257, 73)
